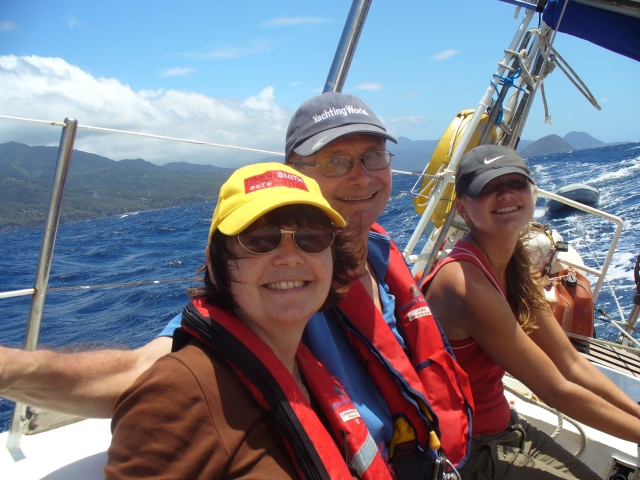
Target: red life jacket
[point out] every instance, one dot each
(312, 449)
(427, 392)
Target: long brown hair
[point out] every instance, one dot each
(524, 286)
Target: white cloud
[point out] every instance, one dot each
(74, 22)
(229, 52)
(151, 93)
(403, 123)
(413, 119)
(371, 86)
(438, 57)
(604, 99)
(177, 72)
(292, 21)
(52, 89)
(410, 94)
(7, 26)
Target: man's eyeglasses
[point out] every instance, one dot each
(338, 166)
(267, 239)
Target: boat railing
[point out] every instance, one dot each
(335, 81)
(601, 272)
(70, 126)
(525, 60)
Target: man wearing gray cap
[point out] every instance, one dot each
(381, 343)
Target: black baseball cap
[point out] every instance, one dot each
(328, 117)
(484, 163)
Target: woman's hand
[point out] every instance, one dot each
(464, 301)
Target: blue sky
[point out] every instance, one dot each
(234, 72)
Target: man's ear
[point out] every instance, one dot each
(209, 269)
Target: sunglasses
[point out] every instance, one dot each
(512, 183)
(339, 166)
(267, 239)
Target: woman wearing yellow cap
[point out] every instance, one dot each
(240, 397)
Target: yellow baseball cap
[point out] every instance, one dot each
(257, 189)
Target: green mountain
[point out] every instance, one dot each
(547, 145)
(582, 140)
(96, 186)
(411, 155)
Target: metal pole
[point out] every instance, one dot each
(593, 211)
(44, 267)
(444, 231)
(347, 46)
(485, 101)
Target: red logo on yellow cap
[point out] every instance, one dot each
(274, 178)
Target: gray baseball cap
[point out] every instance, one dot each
(328, 117)
(484, 163)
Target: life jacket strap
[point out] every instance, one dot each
(413, 463)
(364, 457)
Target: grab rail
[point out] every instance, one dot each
(594, 211)
(67, 140)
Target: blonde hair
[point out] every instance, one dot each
(524, 286)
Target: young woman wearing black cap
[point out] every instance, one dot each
(492, 308)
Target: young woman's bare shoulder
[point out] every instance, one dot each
(459, 278)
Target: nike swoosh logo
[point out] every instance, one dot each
(487, 162)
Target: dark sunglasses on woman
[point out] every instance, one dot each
(267, 238)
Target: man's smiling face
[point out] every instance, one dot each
(361, 195)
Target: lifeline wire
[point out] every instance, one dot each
(595, 259)
(146, 135)
(31, 291)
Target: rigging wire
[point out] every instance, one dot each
(146, 135)
(583, 234)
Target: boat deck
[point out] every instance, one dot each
(613, 357)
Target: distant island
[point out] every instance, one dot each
(413, 155)
(99, 187)
(96, 186)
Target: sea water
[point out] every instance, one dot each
(168, 244)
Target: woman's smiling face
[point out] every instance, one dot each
(280, 289)
(505, 203)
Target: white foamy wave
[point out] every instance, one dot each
(621, 173)
(621, 266)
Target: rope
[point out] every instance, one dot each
(561, 417)
(547, 117)
(508, 81)
(146, 135)
(578, 83)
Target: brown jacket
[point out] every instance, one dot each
(190, 417)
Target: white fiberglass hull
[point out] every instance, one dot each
(601, 451)
(76, 451)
